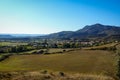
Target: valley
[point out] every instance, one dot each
(50, 58)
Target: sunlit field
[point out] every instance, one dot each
(80, 61)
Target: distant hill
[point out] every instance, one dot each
(96, 31)
(27, 35)
(5, 36)
(20, 35)
(63, 34)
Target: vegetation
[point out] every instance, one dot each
(4, 56)
(109, 47)
(118, 62)
(40, 75)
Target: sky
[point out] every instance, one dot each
(50, 16)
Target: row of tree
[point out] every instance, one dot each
(15, 49)
(4, 56)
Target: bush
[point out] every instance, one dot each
(40, 52)
(4, 56)
(44, 72)
(61, 74)
(47, 53)
(34, 52)
(112, 48)
(64, 50)
(60, 52)
(4, 76)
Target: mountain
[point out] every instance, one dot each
(20, 35)
(63, 34)
(99, 30)
(5, 36)
(95, 31)
(27, 35)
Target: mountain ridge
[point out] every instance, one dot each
(95, 31)
(89, 31)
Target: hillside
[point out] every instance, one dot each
(90, 31)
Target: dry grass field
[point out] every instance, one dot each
(80, 61)
(43, 75)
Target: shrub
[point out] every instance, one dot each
(4, 56)
(40, 52)
(61, 74)
(64, 50)
(44, 72)
(47, 53)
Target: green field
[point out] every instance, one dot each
(79, 61)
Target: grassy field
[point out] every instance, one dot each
(80, 61)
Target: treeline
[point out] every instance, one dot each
(46, 51)
(66, 45)
(111, 48)
(15, 49)
(29, 47)
(4, 56)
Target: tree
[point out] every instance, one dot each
(66, 45)
(14, 49)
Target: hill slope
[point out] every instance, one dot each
(90, 31)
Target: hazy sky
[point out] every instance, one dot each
(48, 16)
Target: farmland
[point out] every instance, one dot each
(95, 63)
(80, 61)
